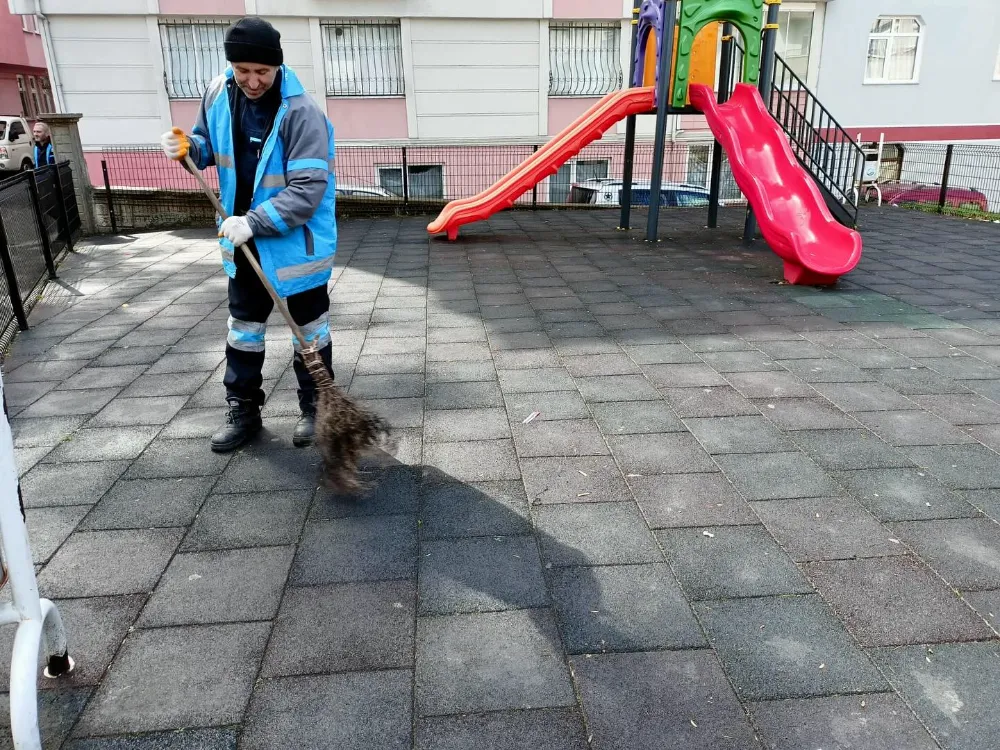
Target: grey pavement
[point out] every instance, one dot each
(643, 496)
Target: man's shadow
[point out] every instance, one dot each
(479, 548)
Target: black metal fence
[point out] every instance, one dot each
(819, 142)
(957, 179)
(144, 190)
(39, 220)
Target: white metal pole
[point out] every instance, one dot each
(36, 617)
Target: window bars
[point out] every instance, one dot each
(363, 58)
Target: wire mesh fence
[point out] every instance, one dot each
(956, 179)
(39, 220)
(144, 190)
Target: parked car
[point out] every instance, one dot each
(363, 191)
(897, 192)
(607, 192)
(17, 148)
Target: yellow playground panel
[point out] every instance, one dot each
(704, 55)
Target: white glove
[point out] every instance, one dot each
(237, 230)
(175, 144)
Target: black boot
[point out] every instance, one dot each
(305, 428)
(242, 423)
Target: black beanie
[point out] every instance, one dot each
(253, 40)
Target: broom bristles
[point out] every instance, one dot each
(344, 431)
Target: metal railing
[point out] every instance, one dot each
(39, 220)
(144, 190)
(819, 142)
(584, 59)
(956, 179)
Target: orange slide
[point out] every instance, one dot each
(588, 127)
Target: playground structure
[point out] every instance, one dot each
(784, 199)
(38, 621)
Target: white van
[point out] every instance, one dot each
(17, 147)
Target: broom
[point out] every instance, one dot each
(344, 431)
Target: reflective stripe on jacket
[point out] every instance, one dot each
(49, 158)
(292, 211)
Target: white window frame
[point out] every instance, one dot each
(359, 88)
(574, 176)
(815, 38)
(29, 24)
(996, 68)
(379, 168)
(176, 88)
(22, 90)
(34, 93)
(613, 63)
(708, 163)
(889, 36)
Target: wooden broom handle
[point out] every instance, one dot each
(280, 303)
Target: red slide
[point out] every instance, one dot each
(588, 127)
(790, 210)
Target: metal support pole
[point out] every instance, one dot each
(666, 52)
(13, 291)
(534, 189)
(943, 198)
(39, 625)
(406, 179)
(725, 82)
(43, 231)
(626, 193)
(764, 86)
(107, 195)
(64, 229)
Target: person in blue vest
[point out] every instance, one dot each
(273, 148)
(44, 155)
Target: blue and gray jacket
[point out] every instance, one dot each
(292, 210)
(44, 158)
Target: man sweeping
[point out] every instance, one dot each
(273, 148)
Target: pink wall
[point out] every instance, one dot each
(563, 110)
(142, 169)
(467, 170)
(586, 9)
(17, 47)
(353, 119)
(367, 119)
(184, 113)
(202, 7)
(10, 99)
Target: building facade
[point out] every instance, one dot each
(24, 80)
(450, 80)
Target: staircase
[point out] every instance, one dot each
(819, 142)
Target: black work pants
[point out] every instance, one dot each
(249, 307)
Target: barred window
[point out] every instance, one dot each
(363, 58)
(424, 181)
(193, 54)
(584, 59)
